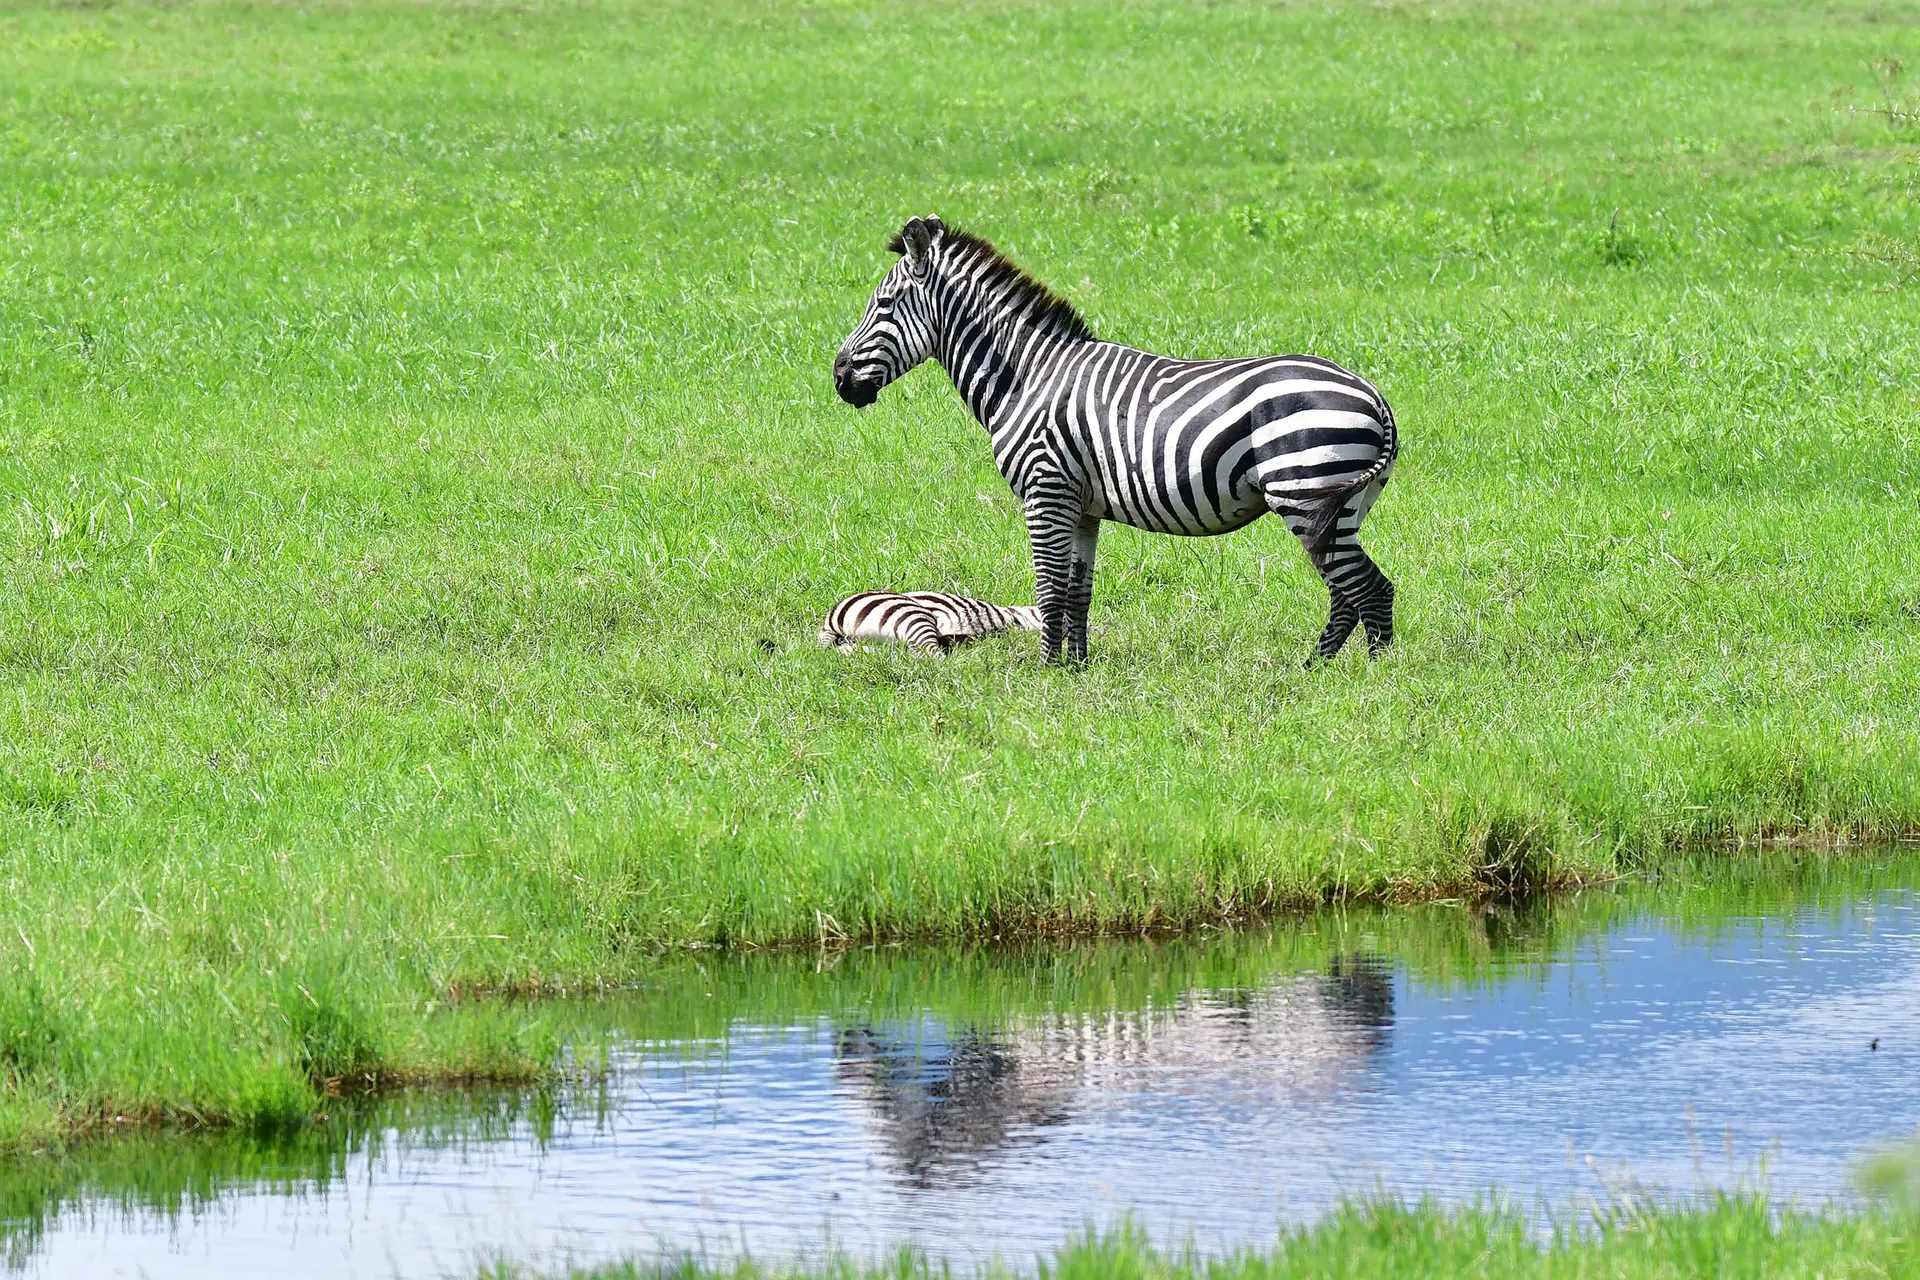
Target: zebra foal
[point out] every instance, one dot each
(1087, 431)
(929, 621)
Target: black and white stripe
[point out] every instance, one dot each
(930, 621)
(1086, 431)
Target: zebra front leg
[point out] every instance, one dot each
(1086, 538)
(1050, 528)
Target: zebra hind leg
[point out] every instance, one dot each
(1377, 612)
(1361, 593)
(921, 632)
(1342, 618)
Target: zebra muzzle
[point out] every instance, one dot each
(855, 390)
(858, 394)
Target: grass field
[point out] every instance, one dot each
(420, 481)
(1731, 1237)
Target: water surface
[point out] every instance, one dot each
(982, 1101)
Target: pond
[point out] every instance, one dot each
(1759, 1028)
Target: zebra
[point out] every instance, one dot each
(1086, 431)
(929, 621)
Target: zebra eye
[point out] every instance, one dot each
(882, 303)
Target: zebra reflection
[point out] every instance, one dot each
(939, 1103)
(941, 1100)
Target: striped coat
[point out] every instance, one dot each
(929, 621)
(1088, 431)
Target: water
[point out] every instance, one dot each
(991, 1102)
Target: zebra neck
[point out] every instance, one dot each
(993, 366)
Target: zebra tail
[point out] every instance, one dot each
(1320, 528)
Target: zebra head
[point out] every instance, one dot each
(897, 332)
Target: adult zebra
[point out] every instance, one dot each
(1086, 431)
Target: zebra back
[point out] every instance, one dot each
(966, 618)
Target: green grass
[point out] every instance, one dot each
(1728, 1237)
(420, 482)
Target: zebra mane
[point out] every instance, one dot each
(1005, 276)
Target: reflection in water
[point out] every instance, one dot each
(995, 1099)
(935, 1107)
(940, 1104)
(168, 1180)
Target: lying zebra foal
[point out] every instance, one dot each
(929, 621)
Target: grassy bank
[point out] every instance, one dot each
(1730, 1237)
(687, 1001)
(419, 482)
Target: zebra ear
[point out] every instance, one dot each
(916, 239)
